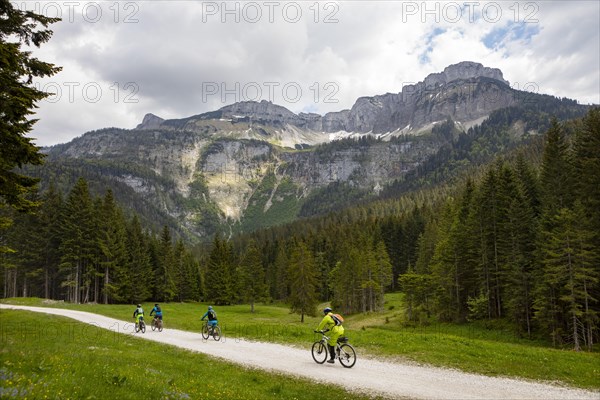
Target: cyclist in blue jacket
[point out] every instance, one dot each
(157, 311)
(212, 317)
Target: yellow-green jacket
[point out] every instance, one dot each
(334, 331)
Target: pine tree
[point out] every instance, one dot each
(587, 183)
(488, 219)
(186, 273)
(137, 278)
(252, 277)
(281, 287)
(556, 178)
(383, 274)
(164, 273)
(518, 280)
(569, 274)
(49, 215)
(112, 243)
(444, 268)
(303, 281)
(19, 97)
(418, 289)
(23, 271)
(78, 243)
(220, 279)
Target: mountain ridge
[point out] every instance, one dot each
(387, 113)
(255, 164)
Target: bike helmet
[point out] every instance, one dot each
(210, 307)
(139, 305)
(327, 310)
(156, 305)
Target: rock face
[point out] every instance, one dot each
(463, 70)
(465, 92)
(150, 121)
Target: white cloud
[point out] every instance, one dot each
(174, 51)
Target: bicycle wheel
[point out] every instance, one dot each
(160, 325)
(217, 333)
(137, 327)
(142, 326)
(319, 352)
(347, 355)
(153, 325)
(205, 332)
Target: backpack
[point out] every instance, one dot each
(338, 319)
(212, 315)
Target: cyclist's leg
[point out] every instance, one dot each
(334, 335)
(331, 354)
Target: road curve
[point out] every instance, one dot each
(388, 379)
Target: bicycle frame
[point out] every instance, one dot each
(344, 352)
(211, 330)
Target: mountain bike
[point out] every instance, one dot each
(157, 324)
(344, 351)
(141, 326)
(209, 330)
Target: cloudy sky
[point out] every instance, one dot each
(124, 59)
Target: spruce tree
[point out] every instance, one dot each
(220, 279)
(136, 280)
(78, 242)
(252, 277)
(164, 273)
(18, 99)
(556, 178)
(383, 274)
(303, 281)
(49, 216)
(112, 243)
(281, 287)
(569, 274)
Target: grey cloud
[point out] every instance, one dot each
(172, 54)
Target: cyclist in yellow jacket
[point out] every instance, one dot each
(335, 331)
(138, 314)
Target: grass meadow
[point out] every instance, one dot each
(490, 349)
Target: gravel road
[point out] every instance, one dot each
(392, 380)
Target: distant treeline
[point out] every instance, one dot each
(83, 249)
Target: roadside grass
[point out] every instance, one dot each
(50, 357)
(489, 349)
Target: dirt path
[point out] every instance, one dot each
(369, 376)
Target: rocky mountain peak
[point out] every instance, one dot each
(150, 121)
(463, 70)
(255, 108)
(263, 111)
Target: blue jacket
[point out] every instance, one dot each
(206, 315)
(156, 310)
